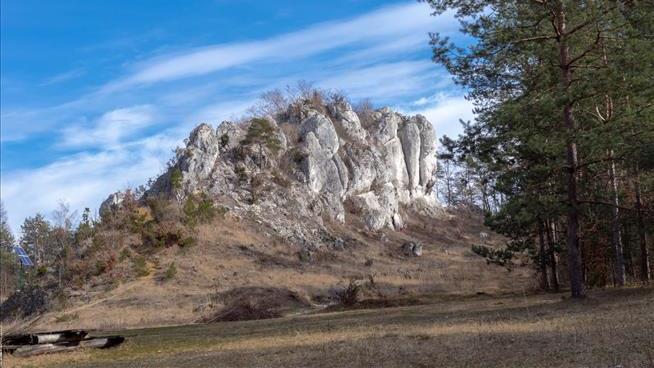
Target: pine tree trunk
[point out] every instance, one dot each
(616, 237)
(642, 234)
(574, 254)
(542, 258)
(626, 250)
(551, 238)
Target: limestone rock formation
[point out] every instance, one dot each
(310, 163)
(114, 200)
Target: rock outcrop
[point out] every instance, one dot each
(310, 163)
(113, 201)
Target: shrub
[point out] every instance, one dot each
(176, 178)
(365, 111)
(224, 140)
(297, 155)
(291, 131)
(350, 295)
(186, 242)
(137, 219)
(500, 257)
(41, 271)
(262, 133)
(67, 318)
(281, 180)
(166, 234)
(162, 209)
(100, 267)
(241, 174)
(124, 254)
(171, 271)
(199, 210)
(140, 266)
(24, 303)
(258, 187)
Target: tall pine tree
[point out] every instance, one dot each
(557, 108)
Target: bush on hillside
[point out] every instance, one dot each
(171, 271)
(496, 256)
(24, 303)
(350, 295)
(140, 266)
(199, 210)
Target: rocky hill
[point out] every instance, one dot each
(309, 163)
(311, 197)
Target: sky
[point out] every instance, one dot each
(95, 95)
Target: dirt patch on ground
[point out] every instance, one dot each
(253, 303)
(376, 304)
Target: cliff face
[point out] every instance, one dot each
(310, 163)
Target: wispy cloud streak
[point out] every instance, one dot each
(383, 26)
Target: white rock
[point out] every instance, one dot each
(112, 202)
(389, 164)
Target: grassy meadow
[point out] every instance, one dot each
(610, 328)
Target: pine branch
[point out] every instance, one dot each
(606, 204)
(588, 50)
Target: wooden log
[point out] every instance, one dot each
(102, 342)
(60, 336)
(31, 350)
(69, 342)
(44, 337)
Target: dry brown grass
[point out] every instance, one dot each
(611, 328)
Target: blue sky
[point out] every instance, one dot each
(96, 94)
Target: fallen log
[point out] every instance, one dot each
(102, 342)
(31, 350)
(44, 337)
(24, 345)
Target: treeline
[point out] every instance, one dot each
(68, 251)
(561, 155)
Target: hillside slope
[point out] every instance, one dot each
(236, 253)
(309, 199)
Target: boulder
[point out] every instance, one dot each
(347, 120)
(112, 203)
(197, 160)
(339, 244)
(412, 249)
(229, 136)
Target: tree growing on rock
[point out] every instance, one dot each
(261, 133)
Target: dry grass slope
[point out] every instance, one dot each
(235, 253)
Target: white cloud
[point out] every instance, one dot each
(444, 112)
(63, 77)
(111, 128)
(84, 180)
(392, 32)
(391, 47)
(384, 80)
(384, 26)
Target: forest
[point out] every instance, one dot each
(561, 155)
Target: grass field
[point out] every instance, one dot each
(610, 328)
